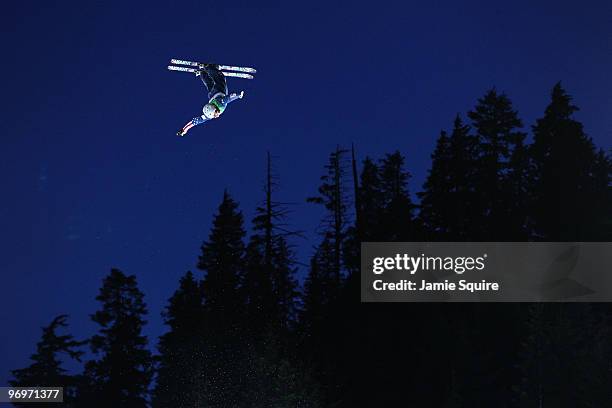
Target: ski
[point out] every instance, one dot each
(227, 74)
(237, 75)
(182, 69)
(221, 67)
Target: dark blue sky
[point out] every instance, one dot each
(92, 173)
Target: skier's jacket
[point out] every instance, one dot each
(220, 101)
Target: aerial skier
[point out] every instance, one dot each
(213, 78)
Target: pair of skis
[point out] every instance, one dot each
(239, 72)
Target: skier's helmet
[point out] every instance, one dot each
(210, 111)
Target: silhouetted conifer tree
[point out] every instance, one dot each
(497, 127)
(449, 193)
(243, 367)
(397, 221)
(222, 259)
(354, 233)
(318, 316)
(436, 211)
(333, 195)
(181, 365)
(227, 348)
(284, 284)
(463, 153)
(371, 200)
(46, 368)
(121, 375)
(319, 291)
(270, 284)
(518, 222)
(369, 209)
(258, 287)
(570, 181)
(325, 283)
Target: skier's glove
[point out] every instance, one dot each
(181, 133)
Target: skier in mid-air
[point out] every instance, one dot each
(218, 96)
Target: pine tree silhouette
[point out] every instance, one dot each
(46, 368)
(226, 349)
(570, 180)
(121, 375)
(326, 279)
(397, 220)
(497, 127)
(270, 284)
(371, 201)
(179, 380)
(285, 285)
(222, 260)
(333, 195)
(320, 291)
(355, 233)
(318, 324)
(449, 194)
(241, 366)
(436, 210)
(518, 224)
(260, 300)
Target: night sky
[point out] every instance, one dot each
(93, 175)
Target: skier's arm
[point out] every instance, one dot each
(198, 120)
(232, 97)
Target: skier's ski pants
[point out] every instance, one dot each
(214, 81)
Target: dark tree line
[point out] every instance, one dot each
(243, 333)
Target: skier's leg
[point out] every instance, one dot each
(207, 80)
(214, 81)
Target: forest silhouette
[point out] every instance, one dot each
(242, 331)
